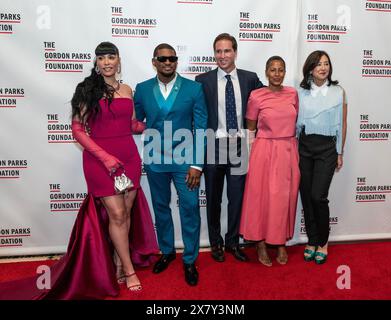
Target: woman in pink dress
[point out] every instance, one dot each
(272, 182)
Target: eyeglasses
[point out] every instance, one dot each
(164, 59)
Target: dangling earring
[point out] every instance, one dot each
(119, 68)
(310, 78)
(97, 70)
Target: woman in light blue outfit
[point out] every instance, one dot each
(321, 128)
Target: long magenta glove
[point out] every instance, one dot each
(109, 161)
(138, 126)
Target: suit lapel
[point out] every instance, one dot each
(157, 97)
(243, 91)
(171, 99)
(215, 101)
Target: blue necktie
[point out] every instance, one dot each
(230, 105)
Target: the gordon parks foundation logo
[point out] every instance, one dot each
(8, 22)
(56, 61)
(12, 168)
(13, 237)
(374, 67)
(332, 222)
(59, 132)
(10, 96)
(373, 131)
(371, 193)
(256, 30)
(64, 201)
(378, 5)
(195, 1)
(130, 27)
(322, 32)
(194, 64)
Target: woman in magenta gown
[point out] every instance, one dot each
(272, 182)
(105, 107)
(108, 225)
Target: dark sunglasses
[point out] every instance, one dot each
(164, 59)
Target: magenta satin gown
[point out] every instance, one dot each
(272, 182)
(87, 269)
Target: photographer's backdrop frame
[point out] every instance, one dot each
(45, 50)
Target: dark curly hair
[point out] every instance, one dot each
(310, 63)
(85, 100)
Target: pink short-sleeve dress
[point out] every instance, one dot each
(272, 182)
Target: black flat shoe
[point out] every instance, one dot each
(191, 274)
(163, 262)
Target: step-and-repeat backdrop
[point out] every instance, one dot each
(46, 48)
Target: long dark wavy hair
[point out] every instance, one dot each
(85, 100)
(310, 63)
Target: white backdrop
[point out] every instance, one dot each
(46, 49)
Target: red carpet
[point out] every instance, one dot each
(232, 280)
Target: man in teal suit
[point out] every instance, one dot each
(175, 110)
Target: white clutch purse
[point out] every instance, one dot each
(122, 183)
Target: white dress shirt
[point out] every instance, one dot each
(165, 88)
(221, 83)
(315, 90)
